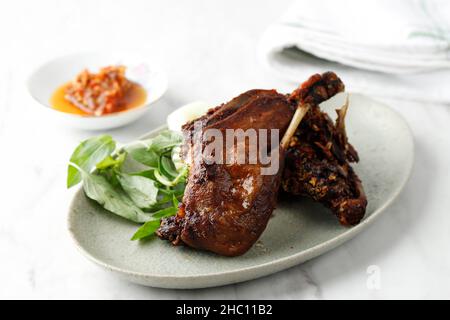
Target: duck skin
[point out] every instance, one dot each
(226, 207)
(319, 156)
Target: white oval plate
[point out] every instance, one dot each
(51, 75)
(298, 231)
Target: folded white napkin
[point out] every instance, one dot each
(399, 48)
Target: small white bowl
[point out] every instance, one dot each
(186, 113)
(43, 82)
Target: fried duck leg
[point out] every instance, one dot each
(225, 208)
(319, 155)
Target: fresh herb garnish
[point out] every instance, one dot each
(151, 226)
(87, 155)
(143, 191)
(145, 195)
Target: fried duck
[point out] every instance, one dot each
(319, 155)
(226, 207)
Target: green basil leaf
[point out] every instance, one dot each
(167, 168)
(146, 230)
(150, 174)
(166, 196)
(165, 140)
(167, 212)
(145, 156)
(171, 183)
(175, 201)
(140, 189)
(110, 162)
(151, 226)
(145, 196)
(163, 179)
(87, 155)
(112, 199)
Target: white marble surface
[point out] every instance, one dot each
(208, 49)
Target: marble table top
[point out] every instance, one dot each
(208, 50)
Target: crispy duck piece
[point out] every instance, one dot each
(319, 155)
(225, 208)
